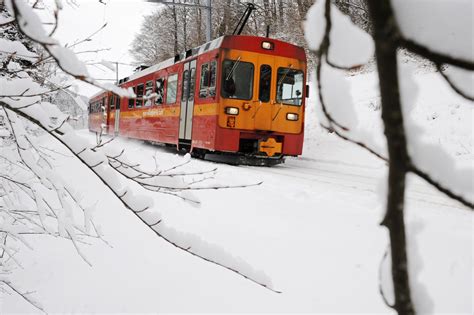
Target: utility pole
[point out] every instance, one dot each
(116, 73)
(207, 7)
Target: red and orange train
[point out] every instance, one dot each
(236, 99)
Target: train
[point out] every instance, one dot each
(237, 99)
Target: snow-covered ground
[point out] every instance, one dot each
(312, 226)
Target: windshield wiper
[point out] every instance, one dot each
(233, 68)
(284, 75)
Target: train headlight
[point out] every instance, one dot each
(267, 45)
(231, 110)
(292, 116)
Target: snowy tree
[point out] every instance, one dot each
(34, 197)
(157, 41)
(444, 37)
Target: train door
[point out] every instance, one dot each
(187, 100)
(263, 111)
(105, 114)
(110, 113)
(114, 114)
(117, 115)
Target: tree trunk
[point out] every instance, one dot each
(266, 6)
(280, 11)
(175, 31)
(199, 25)
(386, 54)
(301, 10)
(185, 28)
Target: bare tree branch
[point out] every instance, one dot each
(448, 192)
(436, 57)
(451, 83)
(23, 296)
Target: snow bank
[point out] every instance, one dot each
(429, 157)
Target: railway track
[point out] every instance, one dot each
(364, 178)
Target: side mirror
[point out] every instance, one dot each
(307, 90)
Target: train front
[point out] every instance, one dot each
(262, 90)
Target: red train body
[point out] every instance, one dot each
(234, 99)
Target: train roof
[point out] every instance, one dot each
(242, 42)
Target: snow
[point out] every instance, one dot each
(462, 79)
(422, 301)
(15, 47)
(428, 156)
(432, 24)
(312, 227)
(336, 87)
(29, 22)
(315, 25)
(68, 61)
(5, 20)
(343, 34)
(335, 90)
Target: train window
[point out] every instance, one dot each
(171, 89)
(289, 86)
(112, 101)
(185, 85)
(139, 101)
(204, 82)
(131, 101)
(265, 83)
(212, 79)
(117, 102)
(160, 91)
(148, 93)
(192, 83)
(237, 79)
(207, 86)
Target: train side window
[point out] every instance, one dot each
(207, 85)
(139, 101)
(171, 89)
(148, 93)
(112, 102)
(237, 79)
(160, 91)
(204, 82)
(185, 85)
(265, 83)
(192, 83)
(212, 79)
(131, 101)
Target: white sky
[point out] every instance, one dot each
(123, 18)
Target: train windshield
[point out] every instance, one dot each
(237, 79)
(289, 86)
